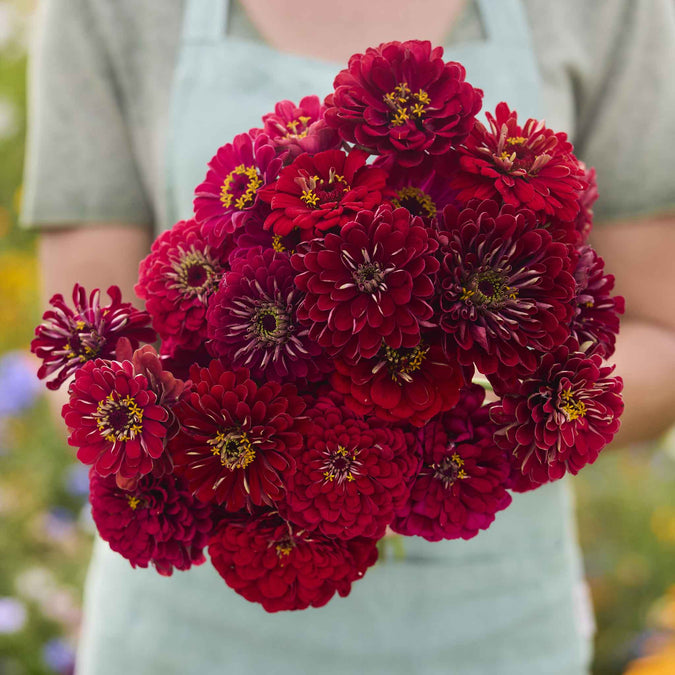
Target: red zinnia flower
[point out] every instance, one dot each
(506, 288)
(297, 129)
(116, 420)
(237, 437)
(319, 192)
(270, 561)
(368, 284)
(531, 167)
(177, 279)
(596, 316)
(252, 320)
(397, 385)
(352, 474)
(561, 416)
(66, 339)
(236, 174)
(157, 522)
(462, 482)
(402, 98)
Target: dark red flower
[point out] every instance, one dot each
(177, 279)
(297, 129)
(424, 189)
(410, 385)
(562, 416)
(369, 284)
(319, 192)
(352, 473)
(157, 522)
(506, 289)
(116, 420)
(402, 98)
(252, 320)
(67, 338)
(282, 567)
(526, 167)
(462, 482)
(236, 174)
(236, 437)
(596, 315)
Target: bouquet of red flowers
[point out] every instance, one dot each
(356, 274)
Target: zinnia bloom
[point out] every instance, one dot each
(297, 129)
(369, 284)
(236, 174)
(562, 416)
(462, 482)
(527, 167)
(237, 437)
(352, 473)
(402, 98)
(283, 567)
(157, 522)
(400, 385)
(252, 320)
(596, 316)
(323, 191)
(66, 338)
(177, 279)
(506, 289)
(116, 421)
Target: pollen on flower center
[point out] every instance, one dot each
(298, 128)
(489, 289)
(403, 362)
(571, 407)
(418, 202)
(449, 470)
(234, 448)
(195, 274)
(240, 187)
(270, 323)
(118, 419)
(317, 191)
(405, 105)
(133, 502)
(341, 465)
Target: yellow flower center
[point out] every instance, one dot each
(572, 408)
(118, 419)
(341, 465)
(449, 470)
(317, 191)
(403, 362)
(240, 187)
(234, 449)
(133, 502)
(416, 201)
(299, 127)
(405, 105)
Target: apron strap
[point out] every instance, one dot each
(205, 20)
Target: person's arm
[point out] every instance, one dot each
(641, 254)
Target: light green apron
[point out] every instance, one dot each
(504, 603)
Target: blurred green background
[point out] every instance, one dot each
(626, 501)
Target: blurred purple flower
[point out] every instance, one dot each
(76, 480)
(59, 523)
(13, 615)
(59, 656)
(19, 384)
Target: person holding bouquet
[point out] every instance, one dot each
(130, 100)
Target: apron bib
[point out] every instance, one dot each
(503, 603)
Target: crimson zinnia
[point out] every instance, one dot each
(351, 473)
(462, 482)
(252, 320)
(561, 416)
(177, 279)
(529, 167)
(368, 285)
(319, 192)
(236, 437)
(506, 289)
(67, 338)
(283, 567)
(402, 98)
(157, 522)
(116, 421)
